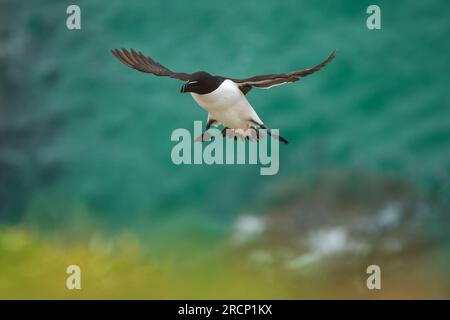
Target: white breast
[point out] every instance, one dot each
(225, 96)
(228, 105)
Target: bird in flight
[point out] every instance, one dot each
(223, 98)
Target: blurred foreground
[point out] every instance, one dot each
(295, 251)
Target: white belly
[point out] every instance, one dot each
(228, 105)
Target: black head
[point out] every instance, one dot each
(202, 83)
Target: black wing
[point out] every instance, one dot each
(137, 60)
(271, 80)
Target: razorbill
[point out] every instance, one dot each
(223, 98)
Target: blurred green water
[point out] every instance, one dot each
(85, 142)
(103, 130)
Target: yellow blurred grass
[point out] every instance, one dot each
(32, 268)
(120, 267)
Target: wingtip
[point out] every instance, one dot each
(118, 51)
(122, 50)
(329, 59)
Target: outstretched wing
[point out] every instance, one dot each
(137, 60)
(271, 80)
